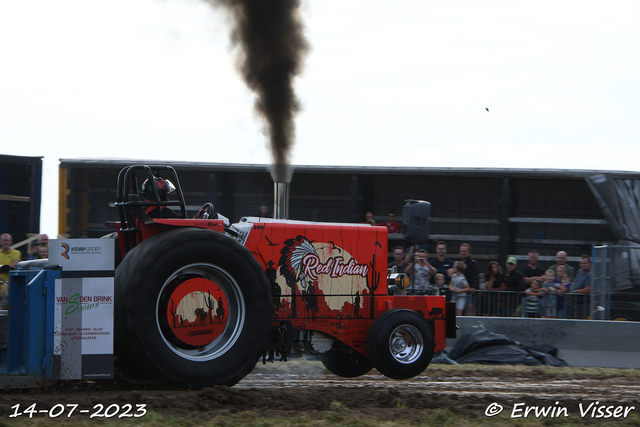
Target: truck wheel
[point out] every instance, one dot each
(345, 362)
(192, 306)
(400, 344)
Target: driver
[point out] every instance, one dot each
(164, 188)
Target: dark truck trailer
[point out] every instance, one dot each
(20, 196)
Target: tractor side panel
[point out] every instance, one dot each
(324, 276)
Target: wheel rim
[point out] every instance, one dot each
(406, 344)
(188, 311)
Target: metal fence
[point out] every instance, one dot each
(515, 304)
(615, 287)
(615, 293)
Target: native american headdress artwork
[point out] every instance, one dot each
(291, 259)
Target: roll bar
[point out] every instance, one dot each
(131, 205)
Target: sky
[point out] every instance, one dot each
(386, 83)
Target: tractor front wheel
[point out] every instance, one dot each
(400, 344)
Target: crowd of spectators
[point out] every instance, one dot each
(35, 249)
(38, 249)
(558, 292)
(11, 256)
(506, 290)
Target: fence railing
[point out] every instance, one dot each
(597, 306)
(615, 293)
(516, 304)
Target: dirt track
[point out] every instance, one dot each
(294, 389)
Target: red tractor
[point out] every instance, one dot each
(199, 301)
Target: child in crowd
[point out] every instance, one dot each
(440, 287)
(549, 301)
(532, 299)
(459, 287)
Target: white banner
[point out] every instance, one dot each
(82, 254)
(83, 323)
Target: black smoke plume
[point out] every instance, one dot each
(272, 46)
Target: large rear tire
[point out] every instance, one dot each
(400, 344)
(193, 307)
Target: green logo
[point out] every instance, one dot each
(76, 306)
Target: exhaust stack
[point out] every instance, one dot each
(281, 200)
(281, 175)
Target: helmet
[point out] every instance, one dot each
(164, 188)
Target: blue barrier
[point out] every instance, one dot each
(27, 360)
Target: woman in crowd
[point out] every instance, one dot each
(494, 280)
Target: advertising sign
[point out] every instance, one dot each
(83, 322)
(82, 254)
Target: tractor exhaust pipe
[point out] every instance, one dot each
(281, 175)
(281, 200)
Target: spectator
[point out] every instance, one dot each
(368, 219)
(494, 281)
(441, 263)
(413, 252)
(494, 277)
(563, 285)
(391, 223)
(399, 262)
(43, 240)
(550, 300)
(471, 273)
(561, 259)
(8, 256)
(263, 212)
(578, 305)
(43, 252)
(421, 272)
(440, 286)
(459, 287)
(514, 283)
(532, 271)
(514, 280)
(533, 295)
